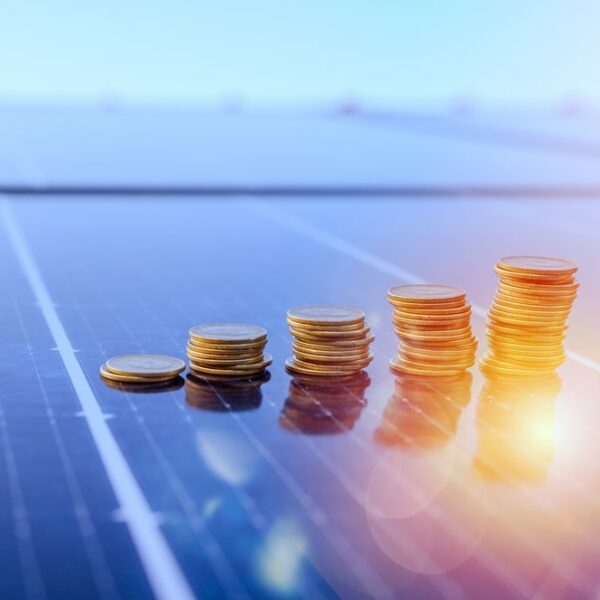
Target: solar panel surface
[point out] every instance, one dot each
(382, 486)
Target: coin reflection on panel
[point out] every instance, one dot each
(515, 425)
(145, 388)
(424, 412)
(324, 405)
(226, 393)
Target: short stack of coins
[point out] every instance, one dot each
(329, 340)
(142, 368)
(527, 321)
(433, 323)
(227, 350)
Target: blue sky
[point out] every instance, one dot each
(267, 50)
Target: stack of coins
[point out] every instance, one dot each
(227, 350)
(142, 368)
(433, 323)
(424, 412)
(527, 322)
(328, 340)
(323, 405)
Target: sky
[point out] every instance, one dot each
(381, 51)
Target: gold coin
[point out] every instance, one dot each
(557, 302)
(425, 293)
(432, 322)
(126, 378)
(294, 368)
(325, 313)
(538, 264)
(327, 326)
(233, 370)
(331, 355)
(437, 353)
(527, 318)
(534, 310)
(329, 334)
(341, 345)
(145, 387)
(345, 366)
(419, 334)
(225, 352)
(224, 362)
(567, 288)
(228, 333)
(488, 362)
(145, 365)
(545, 295)
(399, 366)
(417, 310)
(315, 339)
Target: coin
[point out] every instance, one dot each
(228, 333)
(325, 313)
(145, 365)
(538, 264)
(420, 293)
(108, 374)
(294, 368)
(300, 333)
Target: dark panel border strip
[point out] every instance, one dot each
(305, 191)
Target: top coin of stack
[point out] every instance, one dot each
(527, 322)
(227, 349)
(142, 368)
(433, 323)
(329, 340)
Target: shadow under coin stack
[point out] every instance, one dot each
(227, 350)
(142, 369)
(328, 340)
(433, 323)
(527, 322)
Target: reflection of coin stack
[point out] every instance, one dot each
(424, 411)
(433, 323)
(228, 349)
(515, 423)
(328, 340)
(227, 394)
(527, 321)
(318, 405)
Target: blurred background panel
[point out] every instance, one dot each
(426, 55)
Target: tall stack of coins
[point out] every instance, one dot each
(142, 368)
(329, 340)
(527, 322)
(227, 349)
(433, 323)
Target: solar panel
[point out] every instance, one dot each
(276, 487)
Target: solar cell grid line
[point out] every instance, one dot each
(161, 568)
(31, 578)
(222, 566)
(95, 553)
(322, 236)
(371, 580)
